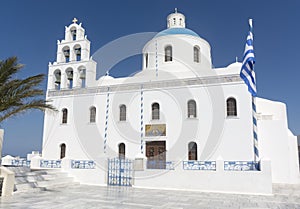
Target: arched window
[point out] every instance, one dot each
(57, 77)
(192, 152)
(62, 151)
(122, 150)
(73, 33)
(196, 54)
(123, 112)
(192, 109)
(77, 50)
(66, 51)
(168, 53)
(64, 116)
(93, 114)
(146, 59)
(231, 107)
(82, 77)
(69, 73)
(155, 111)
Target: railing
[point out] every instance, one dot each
(83, 164)
(50, 163)
(20, 163)
(160, 164)
(199, 165)
(241, 166)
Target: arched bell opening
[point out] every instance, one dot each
(66, 52)
(57, 79)
(69, 73)
(73, 33)
(82, 77)
(77, 50)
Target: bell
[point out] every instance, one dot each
(78, 51)
(70, 75)
(57, 77)
(67, 53)
(73, 32)
(82, 74)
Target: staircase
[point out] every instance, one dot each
(39, 180)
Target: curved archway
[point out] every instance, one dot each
(122, 112)
(231, 107)
(92, 114)
(73, 31)
(77, 50)
(62, 150)
(57, 79)
(66, 52)
(196, 54)
(69, 73)
(64, 115)
(155, 111)
(192, 109)
(192, 151)
(82, 76)
(168, 53)
(122, 151)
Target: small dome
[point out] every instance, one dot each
(177, 31)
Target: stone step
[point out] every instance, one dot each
(27, 179)
(40, 180)
(25, 186)
(32, 190)
(19, 170)
(55, 176)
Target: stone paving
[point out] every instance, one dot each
(83, 196)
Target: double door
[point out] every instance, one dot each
(156, 154)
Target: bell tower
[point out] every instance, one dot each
(73, 68)
(176, 20)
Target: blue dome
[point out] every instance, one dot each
(176, 31)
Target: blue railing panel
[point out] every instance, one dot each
(20, 163)
(50, 163)
(241, 166)
(83, 164)
(199, 165)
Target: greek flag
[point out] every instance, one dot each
(247, 72)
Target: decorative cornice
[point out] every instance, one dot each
(207, 81)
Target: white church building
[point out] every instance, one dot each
(179, 123)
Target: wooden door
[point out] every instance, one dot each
(156, 154)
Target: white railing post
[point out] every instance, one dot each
(8, 181)
(220, 164)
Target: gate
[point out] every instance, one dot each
(120, 171)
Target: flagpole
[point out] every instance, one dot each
(255, 136)
(248, 75)
(254, 114)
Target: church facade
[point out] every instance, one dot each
(179, 123)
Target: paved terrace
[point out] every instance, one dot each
(82, 196)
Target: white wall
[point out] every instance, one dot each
(276, 142)
(247, 182)
(215, 133)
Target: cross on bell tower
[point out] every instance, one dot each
(74, 20)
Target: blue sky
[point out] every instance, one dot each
(30, 29)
